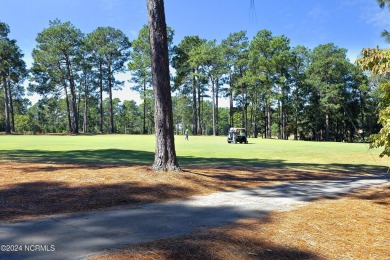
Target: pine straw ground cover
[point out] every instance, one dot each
(355, 227)
(36, 189)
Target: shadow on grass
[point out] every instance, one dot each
(103, 156)
(133, 157)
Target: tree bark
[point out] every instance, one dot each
(75, 121)
(362, 115)
(199, 111)
(268, 109)
(284, 114)
(110, 99)
(79, 105)
(6, 106)
(213, 105)
(194, 111)
(165, 154)
(144, 122)
(243, 106)
(327, 127)
(101, 95)
(231, 107)
(265, 118)
(296, 114)
(216, 106)
(279, 120)
(86, 93)
(11, 107)
(68, 108)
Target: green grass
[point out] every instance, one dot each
(200, 150)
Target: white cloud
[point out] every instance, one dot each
(112, 8)
(371, 13)
(379, 18)
(318, 14)
(126, 93)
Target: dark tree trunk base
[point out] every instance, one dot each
(166, 168)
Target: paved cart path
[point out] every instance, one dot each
(77, 236)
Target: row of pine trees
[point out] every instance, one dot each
(273, 89)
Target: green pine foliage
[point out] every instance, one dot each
(275, 90)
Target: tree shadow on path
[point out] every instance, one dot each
(81, 234)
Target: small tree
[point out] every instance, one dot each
(56, 64)
(12, 72)
(111, 48)
(187, 69)
(377, 61)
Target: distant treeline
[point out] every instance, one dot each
(274, 89)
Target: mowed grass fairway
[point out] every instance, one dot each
(199, 151)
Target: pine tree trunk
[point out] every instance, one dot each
(362, 116)
(110, 79)
(110, 100)
(101, 96)
(279, 120)
(144, 122)
(253, 120)
(6, 106)
(85, 123)
(265, 116)
(165, 154)
(199, 112)
(216, 107)
(11, 107)
(213, 105)
(231, 107)
(284, 114)
(296, 119)
(194, 110)
(268, 109)
(75, 121)
(68, 108)
(327, 127)
(79, 105)
(243, 106)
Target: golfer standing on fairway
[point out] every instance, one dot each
(186, 134)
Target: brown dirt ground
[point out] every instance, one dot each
(355, 227)
(35, 189)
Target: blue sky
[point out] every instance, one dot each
(351, 24)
